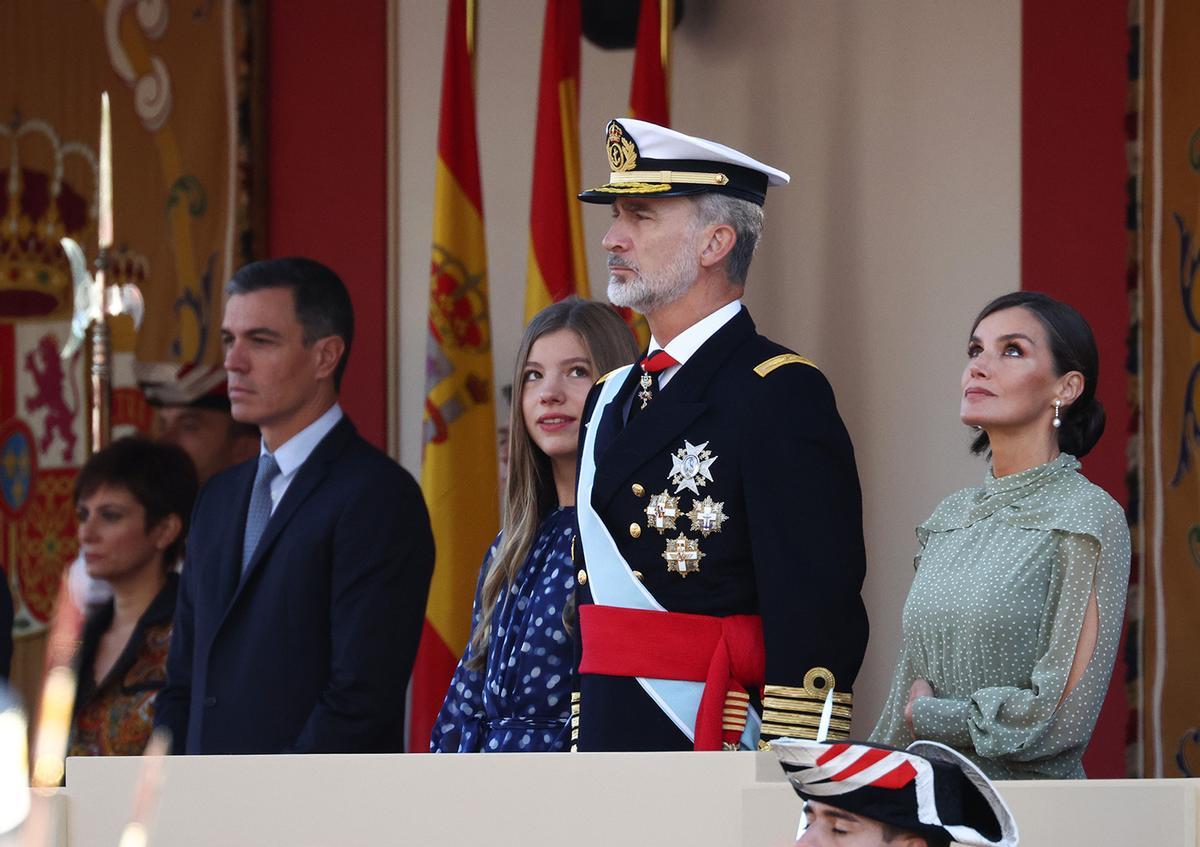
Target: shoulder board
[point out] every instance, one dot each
(607, 375)
(779, 361)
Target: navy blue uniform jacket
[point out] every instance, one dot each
(310, 651)
(790, 549)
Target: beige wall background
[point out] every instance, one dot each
(900, 125)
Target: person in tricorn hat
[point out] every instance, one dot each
(720, 557)
(191, 410)
(867, 795)
(191, 404)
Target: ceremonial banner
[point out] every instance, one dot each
(180, 81)
(458, 465)
(650, 95)
(557, 265)
(1169, 691)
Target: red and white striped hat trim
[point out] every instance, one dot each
(832, 769)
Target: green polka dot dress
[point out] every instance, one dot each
(992, 621)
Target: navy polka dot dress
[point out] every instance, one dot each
(521, 701)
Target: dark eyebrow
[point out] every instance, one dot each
(253, 332)
(634, 205)
(834, 812)
(1012, 336)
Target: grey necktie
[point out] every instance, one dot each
(260, 505)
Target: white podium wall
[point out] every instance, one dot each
(693, 799)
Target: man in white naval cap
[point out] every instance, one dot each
(720, 552)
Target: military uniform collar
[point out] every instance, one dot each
(683, 346)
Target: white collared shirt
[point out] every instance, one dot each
(292, 453)
(683, 346)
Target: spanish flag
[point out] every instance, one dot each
(557, 265)
(650, 94)
(458, 467)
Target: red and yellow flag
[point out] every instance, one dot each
(458, 467)
(557, 265)
(650, 94)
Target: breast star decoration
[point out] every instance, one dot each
(683, 555)
(707, 516)
(690, 467)
(662, 510)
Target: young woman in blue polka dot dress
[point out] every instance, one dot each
(511, 691)
(1011, 626)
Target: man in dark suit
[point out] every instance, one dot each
(720, 557)
(303, 592)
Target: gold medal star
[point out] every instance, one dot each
(707, 516)
(662, 510)
(683, 555)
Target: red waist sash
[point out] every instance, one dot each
(726, 654)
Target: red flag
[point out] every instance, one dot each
(458, 465)
(557, 266)
(650, 95)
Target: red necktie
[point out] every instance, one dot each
(651, 365)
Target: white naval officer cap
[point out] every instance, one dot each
(648, 160)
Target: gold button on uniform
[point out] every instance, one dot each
(639, 575)
(635, 530)
(581, 577)
(638, 491)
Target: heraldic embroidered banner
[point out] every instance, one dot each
(1169, 690)
(179, 77)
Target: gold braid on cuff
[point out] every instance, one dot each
(796, 712)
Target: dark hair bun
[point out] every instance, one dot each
(1082, 426)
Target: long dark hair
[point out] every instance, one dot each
(1073, 348)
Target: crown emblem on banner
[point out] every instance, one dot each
(38, 206)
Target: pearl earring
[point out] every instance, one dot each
(1057, 422)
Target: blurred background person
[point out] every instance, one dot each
(511, 690)
(191, 410)
(133, 500)
(1011, 626)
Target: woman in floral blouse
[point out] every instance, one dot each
(133, 501)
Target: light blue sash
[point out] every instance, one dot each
(612, 582)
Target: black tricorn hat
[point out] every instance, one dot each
(928, 789)
(173, 384)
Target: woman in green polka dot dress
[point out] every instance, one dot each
(1011, 626)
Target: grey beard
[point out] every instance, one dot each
(646, 293)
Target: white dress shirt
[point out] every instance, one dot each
(683, 346)
(292, 453)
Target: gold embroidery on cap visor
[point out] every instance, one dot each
(656, 182)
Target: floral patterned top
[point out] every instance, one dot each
(115, 716)
(1004, 576)
(521, 700)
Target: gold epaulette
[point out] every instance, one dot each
(574, 721)
(779, 361)
(607, 375)
(796, 712)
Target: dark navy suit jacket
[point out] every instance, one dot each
(311, 650)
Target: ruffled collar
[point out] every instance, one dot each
(1019, 491)
(1027, 481)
